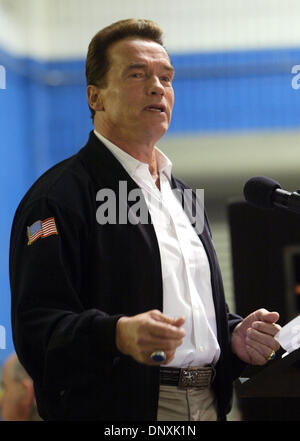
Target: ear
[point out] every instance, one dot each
(29, 398)
(94, 98)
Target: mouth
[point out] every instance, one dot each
(158, 108)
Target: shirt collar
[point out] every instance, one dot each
(131, 165)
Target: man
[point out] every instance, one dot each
(120, 320)
(18, 400)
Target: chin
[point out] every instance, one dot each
(155, 137)
(158, 132)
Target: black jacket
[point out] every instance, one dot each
(69, 289)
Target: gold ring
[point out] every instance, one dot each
(271, 356)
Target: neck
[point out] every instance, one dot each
(139, 149)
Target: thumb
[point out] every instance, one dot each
(179, 321)
(266, 316)
(174, 321)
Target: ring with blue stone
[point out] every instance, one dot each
(158, 356)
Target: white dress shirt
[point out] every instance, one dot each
(185, 268)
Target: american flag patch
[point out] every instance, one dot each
(41, 229)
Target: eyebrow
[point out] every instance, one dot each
(133, 66)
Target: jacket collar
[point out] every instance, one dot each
(105, 168)
(102, 165)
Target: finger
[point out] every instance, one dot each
(256, 357)
(166, 331)
(179, 321)
(263, 349)
(146, 358)
(266, 328)
(263, 339)
(174, 321)
(170, 357)
(152, 344)
(267, 316)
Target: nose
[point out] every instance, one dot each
(155, 87)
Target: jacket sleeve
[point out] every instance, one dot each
(238, 366)
(54, 334)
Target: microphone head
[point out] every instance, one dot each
(258, 191)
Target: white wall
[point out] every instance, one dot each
(63, 28)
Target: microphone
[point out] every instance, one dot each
(263, 192)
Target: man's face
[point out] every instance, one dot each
(139, 97)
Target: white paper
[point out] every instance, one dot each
(243, 379)
(289, 335)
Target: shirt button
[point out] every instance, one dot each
(202, 348)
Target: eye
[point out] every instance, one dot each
(136, 75)
(166, 79)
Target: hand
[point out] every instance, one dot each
(145, 333)
(253, 340)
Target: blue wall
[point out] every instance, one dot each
(44, 117)
(238, 90)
